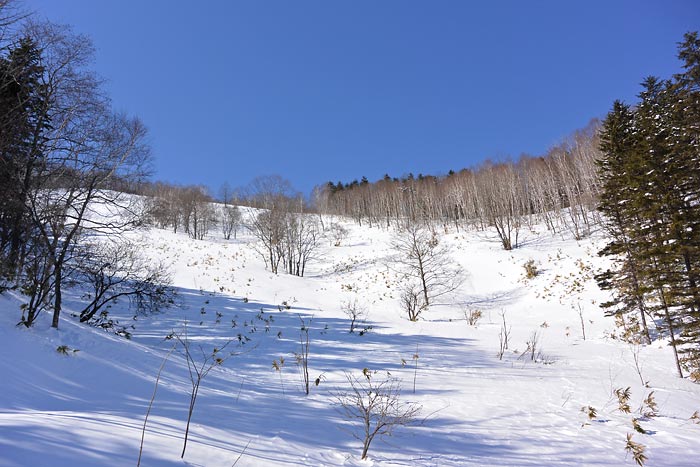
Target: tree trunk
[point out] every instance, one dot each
(58, 295)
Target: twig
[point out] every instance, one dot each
(242, 452)
(150, 404)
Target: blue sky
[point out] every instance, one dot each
(330, 90)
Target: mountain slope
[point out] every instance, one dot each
(88, 407)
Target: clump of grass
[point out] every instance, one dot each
(531, 270)
(65, 350)
(472, 316)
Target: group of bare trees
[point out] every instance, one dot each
(189, 209)
(286, 234)
(560, 189)
(61, 145)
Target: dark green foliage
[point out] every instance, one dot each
(22, 117)
(650, 180)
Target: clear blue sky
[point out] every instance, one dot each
(329, 90)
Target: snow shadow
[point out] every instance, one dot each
(250, 397)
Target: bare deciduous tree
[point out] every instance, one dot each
(115, 271)
(339, 233)
(302, 357)
(355, 311)
(199, 366)
(230, 221)
(77, 146)
(412, 301)
(427, 264)
(268, 228)
(375, 406)
(197, 212)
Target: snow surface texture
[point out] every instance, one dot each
(87, 408)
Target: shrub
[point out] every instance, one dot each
(531, 270)
(472, 316)
(375, 406)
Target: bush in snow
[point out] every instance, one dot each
(376, 406)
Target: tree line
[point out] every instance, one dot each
(650, 197)
(559, 189)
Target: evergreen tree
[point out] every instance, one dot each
(22, 119)
(650, 177)
(656, 202)
(684, 138)
(616, 172)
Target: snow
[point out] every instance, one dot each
(87, 407)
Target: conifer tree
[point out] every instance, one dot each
(616, 172)
(657, 201)
(650, 174)
(684, 138)
(22, 118)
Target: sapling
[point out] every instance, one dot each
(415, 369)
(355, 311)
(302, 357)
(531, 345)
(503, 336)
(412, 301)
(150, 403)
(635, 348)
(278, 365)
(428, 265)
(375, 404)
(583, 324)
(198, 369)
(339, 233)
(472, 316)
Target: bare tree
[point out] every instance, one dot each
(150, 403)
(300, 242)
(227, 195)
(197, 212)
(412, 301)
(286, 235)
(339, 233)
(64, 206)
(230, 221)
(269, 192)
(302, 357)
(199, 366)
(114, 271)
(503, 201)
(268, 228)
(503, 336)
(77, 145)
(375, 405)
(426, 263)
(355, 311)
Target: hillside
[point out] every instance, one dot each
(87, 407)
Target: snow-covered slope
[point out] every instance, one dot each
(88, 407)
